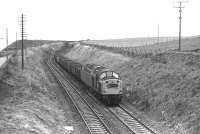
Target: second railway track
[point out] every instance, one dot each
(131, 122)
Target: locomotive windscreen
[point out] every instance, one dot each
(115, 75)
(109, 74)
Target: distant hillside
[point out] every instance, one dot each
(191, 43)
(30, 43)
(131, 42)
(140, 45)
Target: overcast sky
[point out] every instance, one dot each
(97, 19)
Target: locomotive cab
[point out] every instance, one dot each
(111, 83)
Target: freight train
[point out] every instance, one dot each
(103, 82)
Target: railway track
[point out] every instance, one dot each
(130, 121)
(134, 125)
(91, 118)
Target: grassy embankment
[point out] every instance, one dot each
(28, 102)
(164, 86)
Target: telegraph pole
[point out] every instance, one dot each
(22, 35)
(158, 37)
(16, 41)
(180, 18)
(22, 49)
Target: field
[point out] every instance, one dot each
(131, 42)
(144, 46)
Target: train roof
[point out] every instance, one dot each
(75, 64)
(94, 69)
(67, 60)
(98, 70)
(101, 71)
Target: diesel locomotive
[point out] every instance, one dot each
(103, 82)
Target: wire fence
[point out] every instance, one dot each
(134, 51)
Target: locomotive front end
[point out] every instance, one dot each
(111, 87)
